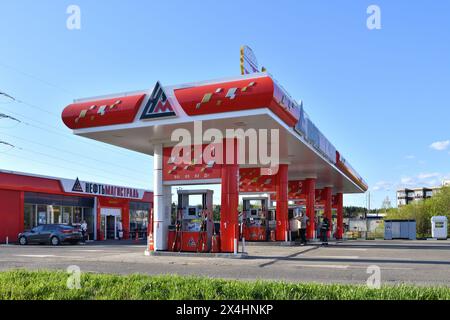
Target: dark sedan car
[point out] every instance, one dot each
(53, 234)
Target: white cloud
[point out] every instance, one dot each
(382, 186)
(424, 176)
(410, 157)
(407, 181)
(427, 179)
(440, 145)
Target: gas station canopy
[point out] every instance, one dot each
(140, 120)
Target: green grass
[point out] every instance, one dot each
(27, 285)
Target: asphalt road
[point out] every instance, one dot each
(418, 262)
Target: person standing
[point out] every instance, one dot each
(83, 228)
(304, 221)
(317, 226)
(325, 226)
(120, 229)
(294, 227)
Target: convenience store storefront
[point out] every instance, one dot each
(29, 200)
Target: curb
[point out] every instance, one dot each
(195, 254)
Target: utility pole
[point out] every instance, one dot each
(367, 213)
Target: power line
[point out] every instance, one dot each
(7, 144)
(14, 99)
(7, 95)
(66, 168)
(82, 165)
(63, 167)
(73, 153)
(5, 116)
(104, 146)
(70, 161)
(29, 75)
(59, 132)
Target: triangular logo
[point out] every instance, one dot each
(77, 186)
(158, 106)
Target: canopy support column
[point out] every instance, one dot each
(310, 190)
(282, 228)
(340, 216)
(160, 222)
(328, 196)
(229, 221)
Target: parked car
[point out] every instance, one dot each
(53, 234)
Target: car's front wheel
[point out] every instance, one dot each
(54, 241)
(22, 241)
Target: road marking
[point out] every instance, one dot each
(88, 250)
(35, 255)
(43, 256)
(328, 266)
(348, 249)
(334, 257)
(345, 267)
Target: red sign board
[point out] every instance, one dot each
(191, 168)
(103, 112)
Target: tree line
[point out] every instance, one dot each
(423, 211)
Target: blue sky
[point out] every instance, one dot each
(381, 96)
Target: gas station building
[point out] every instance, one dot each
(30, 200)
(310, 174)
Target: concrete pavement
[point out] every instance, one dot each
(414, 262)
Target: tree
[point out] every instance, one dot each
(353, 212)
(423, 211)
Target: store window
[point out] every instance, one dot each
(66, 215)
(77, 217)
(139, 213)
(88, 215)
(29, 217)
(54, 213)
(42, 215)
(40, 209)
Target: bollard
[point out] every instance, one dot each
(235, 246)
(7, 240)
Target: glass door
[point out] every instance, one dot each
(66, 215)
(111, 227)
(103, 226)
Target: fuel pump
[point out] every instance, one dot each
(255, 219)
(194, 226)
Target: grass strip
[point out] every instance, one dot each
(52, 285)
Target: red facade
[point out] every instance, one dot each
(13, 187)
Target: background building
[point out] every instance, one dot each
(409, 195)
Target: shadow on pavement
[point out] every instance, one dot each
(276, 259)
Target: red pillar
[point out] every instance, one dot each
(310, 191)
(328, 197)
(282, 203)
(229, 223)
(340, 216)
